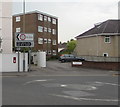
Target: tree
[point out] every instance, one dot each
(71, 46)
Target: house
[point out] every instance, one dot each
(101, 43)
(44, 27)
(62, 46)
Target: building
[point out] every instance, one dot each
(6, 27)
(101, 43)
(62, 46)
(44, 27)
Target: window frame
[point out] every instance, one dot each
(40, 28)
(17, 19)
(18, 30)
(107, 39)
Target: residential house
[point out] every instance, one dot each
(101, 43)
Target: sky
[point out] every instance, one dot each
(74, 16)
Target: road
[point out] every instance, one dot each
(61, 84)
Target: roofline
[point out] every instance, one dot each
(101, 34)
(36, 11)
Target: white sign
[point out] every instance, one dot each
(77, 63)
(24, 40)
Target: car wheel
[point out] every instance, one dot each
(63, 61)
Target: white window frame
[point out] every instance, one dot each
(18, 29)
(45, 29)
(17, 18)
(40, 17)
(49, 19)
(45, 40)
(54, 42)
(109, 39)
(105, 54)
(49, 40)
(54, 21)
(40, 40)
(49, 30)
(49, 52)
(45, 18)
(40, 29)
(54, 31)
(54, 52)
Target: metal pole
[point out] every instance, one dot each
(18, 60)
(29, 59)
(24, 32)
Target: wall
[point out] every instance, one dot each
(9, 66)
(0, 62)
(6, 26)
(95, 46)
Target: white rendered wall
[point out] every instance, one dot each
(9, 66)
(6, 30)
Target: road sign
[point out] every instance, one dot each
(24, 40)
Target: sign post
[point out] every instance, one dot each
(24, 40)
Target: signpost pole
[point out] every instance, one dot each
(18, 60)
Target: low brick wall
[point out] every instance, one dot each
(102, 65)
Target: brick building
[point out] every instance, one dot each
(44, 27)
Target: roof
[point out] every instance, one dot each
(108, 27)
(36, 11)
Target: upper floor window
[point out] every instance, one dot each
(18, 29)
(49, 19)
(18, 19)
(40, 40)
(45, 29)
(45, 18)
(53, 31)
(40, 17)
(40, 29)
(49, 30)
(49, 40)
(54, 42)
(54, 21)
(45, 40)
(107, 39)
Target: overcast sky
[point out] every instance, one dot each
(75, 16)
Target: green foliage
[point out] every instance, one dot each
(71, 46)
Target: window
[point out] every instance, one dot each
(40, 29)
(54, 52)
(49, 19)
(40, 17)
(18, 29)
(49, 40)
(54, 21)
(18, 19)
(53, 31)
(45, 18)
(54, 42)
(40, 40)
(105, 54)
(45, 29)
(49, 30)
(49, 52)
(45, 40)
(107, 39)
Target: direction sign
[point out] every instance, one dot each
(24, 40)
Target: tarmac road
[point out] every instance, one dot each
(61, 84)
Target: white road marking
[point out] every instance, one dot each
(29, 82)
(63, 85)
(107, 83)
(86, 99)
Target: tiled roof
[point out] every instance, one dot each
(109, 26)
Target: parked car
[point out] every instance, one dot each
(69, 58)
